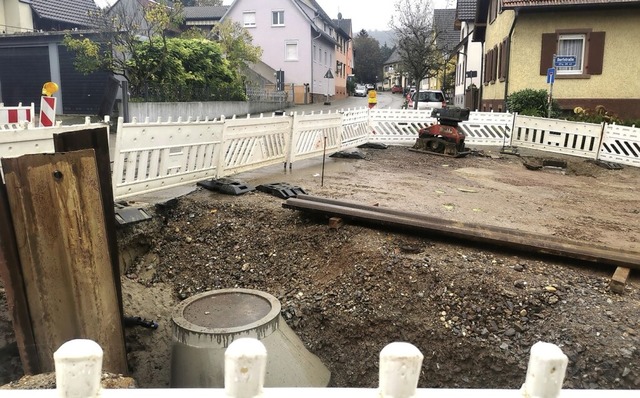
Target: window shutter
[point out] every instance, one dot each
(494, 64)
(549, 47)
(507, 52)
(596, 53)
(501, 60)
(486, 68)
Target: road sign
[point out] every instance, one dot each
(565, 60)
(328, 75)
(551, 75)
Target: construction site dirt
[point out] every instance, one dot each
(347, 290)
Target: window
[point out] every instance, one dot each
(585, 45)
(249, 19)
(277, 18)
(291, 51)
(571, 45)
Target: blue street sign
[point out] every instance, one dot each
(551, 75)
(565, 60)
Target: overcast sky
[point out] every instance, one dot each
(364, 14)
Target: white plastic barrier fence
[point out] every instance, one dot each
(315, 134)
(14, 115)
(401, 126)
(253, 143)
(153, 156)
(355, 123)
(398, 126)
(559, 136)
(621, 144)
(26, 139)
(488, 128)
(79, 368)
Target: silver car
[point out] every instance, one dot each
(361, 91)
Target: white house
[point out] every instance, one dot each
(296, 36)
(469, 56)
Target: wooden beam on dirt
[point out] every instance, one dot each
(619, 280)
(496, 236)
(58, 221)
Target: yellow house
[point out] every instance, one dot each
(594, 44)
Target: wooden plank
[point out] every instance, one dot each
(11, 275)
(98, 140)
(59, 223)
(619, 280)
(496, 236)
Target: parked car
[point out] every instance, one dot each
(360, 91)
(395, 89)
(370, 87)
(428, 99)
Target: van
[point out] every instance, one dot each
(428, 99)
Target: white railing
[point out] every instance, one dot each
(78, 366)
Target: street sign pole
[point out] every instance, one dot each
(551, 75)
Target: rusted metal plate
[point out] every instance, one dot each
(496, 236)
(60, 231)
(97, 138)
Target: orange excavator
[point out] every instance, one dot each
(444, 138)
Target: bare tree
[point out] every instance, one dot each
(417, 38)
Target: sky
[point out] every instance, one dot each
(364, 14)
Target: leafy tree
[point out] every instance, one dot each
(193, 68)
(531, 102)
(137, 43)
(413, 25)
(367, 58)
(237, 47)
(123, 33)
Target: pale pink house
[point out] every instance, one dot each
(297, 37)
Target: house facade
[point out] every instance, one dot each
(296, 37)
(344, 55)
(468, 56)
(31, 54)
(521, 38)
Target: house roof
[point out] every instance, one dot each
(507, 4)
(393, 58)
(343, 24)
(205, 12)
(67, 11)
(466, 10)
(443, 23)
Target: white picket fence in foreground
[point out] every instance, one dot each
(78, 366)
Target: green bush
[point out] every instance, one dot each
(530, 102)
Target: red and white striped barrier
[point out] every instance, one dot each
(16, 114)
(48, 111)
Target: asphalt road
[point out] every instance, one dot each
(385, 100)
